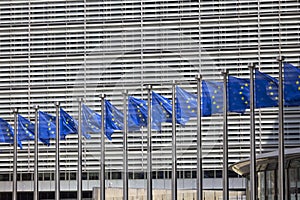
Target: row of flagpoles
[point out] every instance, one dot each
(230, 95)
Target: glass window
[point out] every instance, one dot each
(261, 185)
(292, 183)
(84, 176)
(64, 176)
(270, 185)
(4, 177)
(47, 176)
(188, 174)
(116, 175)
(27, 177)
(94, 176)
(72, 176)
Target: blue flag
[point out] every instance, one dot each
(7, 133)
(137, 113)
(213, 92)
(114, 119)
(47, 127)
(25, 129)
(91, 121)
(291, 85)
(67, 125)
(161, 111)
(238, 94)
(266, 90)
(186, 105)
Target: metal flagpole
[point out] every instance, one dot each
(199, 140)
(57, 156)
(15, 111)
(36, 156)
(79, 172)
(281, 160)
(174, 159)
(252, 135)
(102, 160)
(149, 147)
(225, 139)
(125, 149)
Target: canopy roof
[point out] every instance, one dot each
(266, 161)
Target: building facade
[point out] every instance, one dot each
(63, 50)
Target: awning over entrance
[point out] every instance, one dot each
(264, 162)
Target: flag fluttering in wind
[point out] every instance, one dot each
(161, 111)
(266, 90)
(291, 85)
(213, 92)
(25, 129)
(137, 113)
(114, 119)
(186, 104)
(7, 133)
(238, 94)
(47, 127)
(91, 121)
(67, 125)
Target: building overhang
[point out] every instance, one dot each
(266, 161)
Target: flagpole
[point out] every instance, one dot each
(149, 147)
(15, 111)
(252, 136)
(199, 140)
(36, 156)
(174, 159)
(281, 159)
(57, 156)
(225, 139)
(125, 148)
(79, 172)
(102, 160)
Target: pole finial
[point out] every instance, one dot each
(15, 110)
(198, 77)
(225, 72)
(102, 95)
(57, 103)
(280, 58)
(149, 87)
(251, 65)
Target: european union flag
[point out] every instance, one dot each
(291, 85)
(25, 129)
(67, 125)
(238, 94)
(114, 119)
(137, 113)
(186, 104)
(161, 111)
(91, 121)
(266, 90)
(214, 90)
(205, 101)
(47, 127)
(7, 133)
